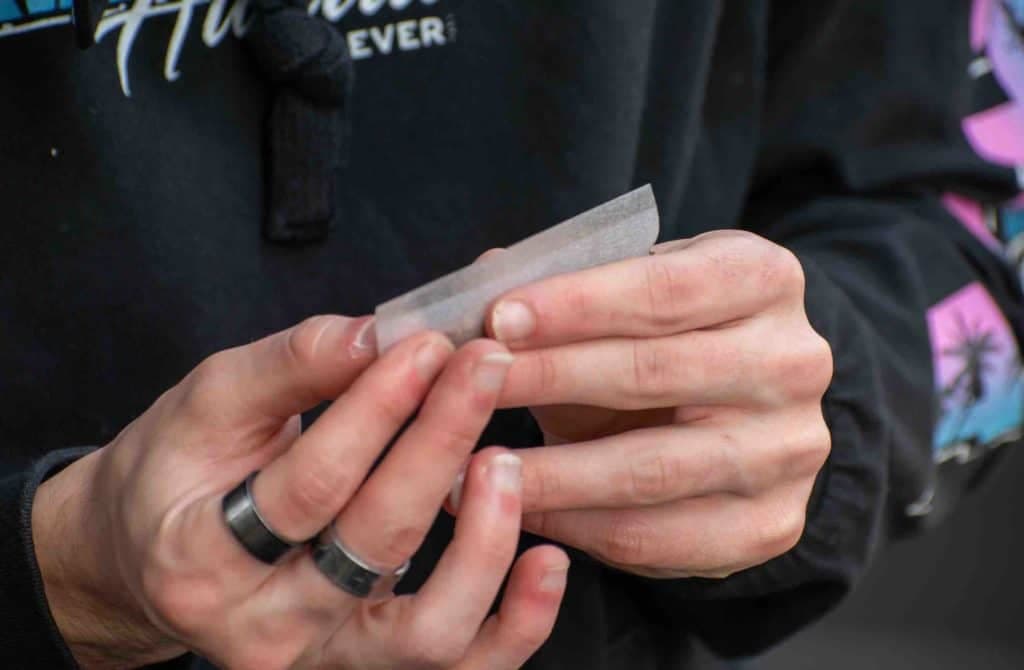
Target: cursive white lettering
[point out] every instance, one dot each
(224, 16)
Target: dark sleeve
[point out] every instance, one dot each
(862, 163)
(29, 636)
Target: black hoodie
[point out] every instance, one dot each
(133, 182)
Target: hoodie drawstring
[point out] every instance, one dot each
(307, 62)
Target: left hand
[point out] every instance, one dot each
(689, 384)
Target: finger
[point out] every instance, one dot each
(460, 591)
(435, 627)
(695, 368)
(303, 490)
(714, 280)
(283, 374)
(527, 615)
(741, 455)
(391, 513)
(712, 536)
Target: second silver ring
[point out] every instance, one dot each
(351, 573)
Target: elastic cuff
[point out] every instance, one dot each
(31, 636)
(34, 637)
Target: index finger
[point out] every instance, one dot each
(710, 280)
(285, 373)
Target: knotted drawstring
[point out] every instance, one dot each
(307, 62)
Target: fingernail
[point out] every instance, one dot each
(554, 578)
(365, 342)
(666, 247)
(513, 321)
(491, 370)
(455, 497)
(333, 332)
(430, 357)
(505, 471)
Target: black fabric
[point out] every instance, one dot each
(308, 63)
(129, 250)
(31, 637)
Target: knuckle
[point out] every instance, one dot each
(316, 489)
(821, 352)
(734, 257)
(801, 367)
(787, 272)
(651, 479)
(626, 542)
(547, 374)
(391, 406)
(578, 301)
(401, 543)
(780, 533)
(777, 269)
(815, 447)
(541, 487)
(662, 283)
(652, 369)
(797, 456)
(208, 384)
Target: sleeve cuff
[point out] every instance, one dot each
(31, 635)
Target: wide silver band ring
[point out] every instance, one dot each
(349, 572)
(252, 532)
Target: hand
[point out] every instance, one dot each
(689, 384)
(139, 564)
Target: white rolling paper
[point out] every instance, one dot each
(456, 304)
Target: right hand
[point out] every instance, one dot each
(139, 565)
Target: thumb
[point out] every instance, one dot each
(286, 373)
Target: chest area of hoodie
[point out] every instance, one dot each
(434, 78)
(509, 113)
(472, 125)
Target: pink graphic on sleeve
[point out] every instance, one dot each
(977, 374)
(997, 134)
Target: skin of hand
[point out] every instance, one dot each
(139, 565)
(680, 396)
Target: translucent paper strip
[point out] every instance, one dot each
(456, 304)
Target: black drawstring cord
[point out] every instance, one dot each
(307, 62)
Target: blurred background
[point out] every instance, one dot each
(950, 598)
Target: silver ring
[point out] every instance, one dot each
(249, 528)
(349, 572)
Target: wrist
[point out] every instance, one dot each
(96, 615)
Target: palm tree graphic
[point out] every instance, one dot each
(974, 349)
